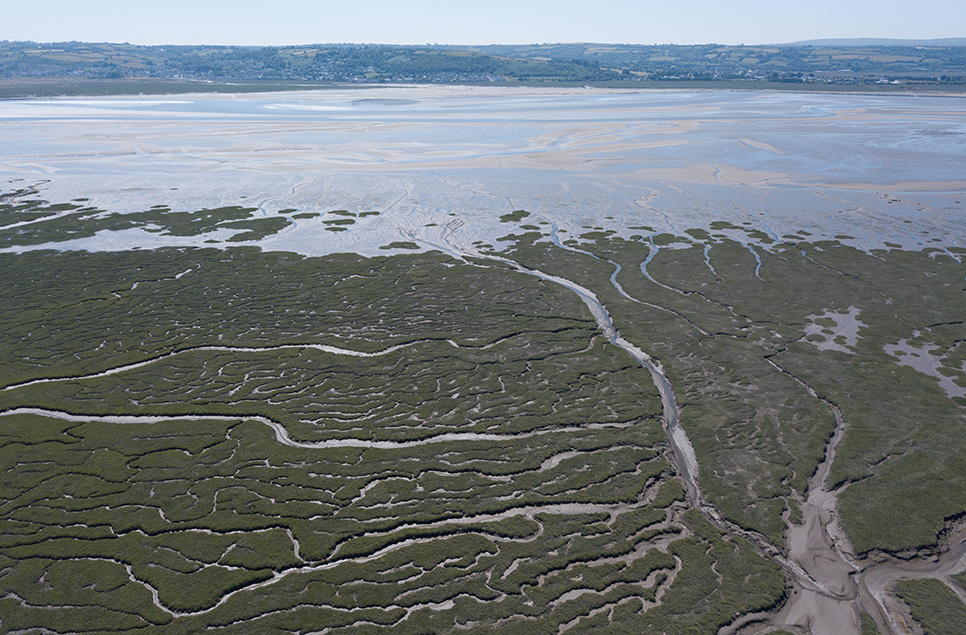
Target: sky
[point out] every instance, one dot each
(289, 22)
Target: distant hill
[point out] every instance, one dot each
(370, 64)
(811, 64)
(817, 63)
(858, 42)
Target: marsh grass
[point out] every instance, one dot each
(934, 606)
(729, 332)
(69, 221)
(868, 625)
(203, 510)
(361, 538)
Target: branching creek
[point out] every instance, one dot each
(530, 512)
(830, 586)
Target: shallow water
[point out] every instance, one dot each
(877, 168)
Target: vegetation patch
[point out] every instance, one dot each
(414, 442)
(257, 229)
(727, 326)
(934, 606)
(203, 504)
(514, 217)
(400, 245)
(38, 222)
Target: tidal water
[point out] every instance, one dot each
(876, 168)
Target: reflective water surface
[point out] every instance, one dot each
(878, 168)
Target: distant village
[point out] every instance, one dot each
(596, 64)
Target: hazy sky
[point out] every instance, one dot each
(282, 22)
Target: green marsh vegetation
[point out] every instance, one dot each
(868, 625)
(514, 217)
(565, 512)
(934, 606)
(34, 221)
(52, 224)
(730, 333)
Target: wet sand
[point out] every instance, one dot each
(925, 360)
(857, 165)
(844, 333)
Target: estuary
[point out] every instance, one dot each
(455, 359)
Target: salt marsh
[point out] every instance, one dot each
(649, 299)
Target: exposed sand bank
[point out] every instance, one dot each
(839, 336)
(578, 157)
(923, 359)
